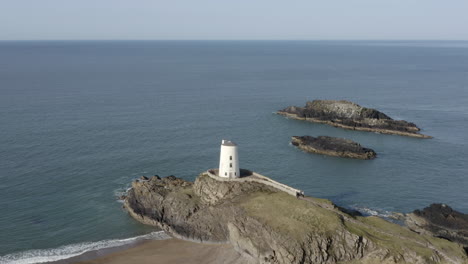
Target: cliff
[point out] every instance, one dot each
(270, 226)
(352, 116)
(333, 146)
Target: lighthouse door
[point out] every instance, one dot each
(230, 175)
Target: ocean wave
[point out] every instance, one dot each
(374, 212)
(119, 192)
(68, 251)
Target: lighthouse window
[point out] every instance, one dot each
(230, 165)
(225, 174)
(230, 157)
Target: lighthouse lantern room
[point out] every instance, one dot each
(229, 160)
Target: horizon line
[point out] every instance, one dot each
(18, 40)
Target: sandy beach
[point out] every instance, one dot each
(172, 251)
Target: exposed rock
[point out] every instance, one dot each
(397, 216)
(350, 211)
(143, 178)
(440, 220)
(333, 146)
(271, 226)
(349, 115)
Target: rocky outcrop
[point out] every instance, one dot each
(349, 115)
(440, 220)
(269, 226)
(333, 146)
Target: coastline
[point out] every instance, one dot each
(269, 224)
(366, 129)
(81, 251)
(171, 250)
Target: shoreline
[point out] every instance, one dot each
(170, 250)
(99, 253)
(366, 129)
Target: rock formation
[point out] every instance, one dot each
(349, 115)
(270, 226)
(333, 146)
(440, 220)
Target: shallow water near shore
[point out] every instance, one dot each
(80, 120)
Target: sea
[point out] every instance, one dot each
(79, 120)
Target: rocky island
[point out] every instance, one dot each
(269, 225)
(352, 116)
(333, 146)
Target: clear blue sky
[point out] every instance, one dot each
(234, 19)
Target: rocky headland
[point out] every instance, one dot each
(440, 220)
(333, 146)
(352, 116)
(267, 225)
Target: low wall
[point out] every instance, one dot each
(278, 185)
(258, 178)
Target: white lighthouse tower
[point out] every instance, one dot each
(229, 160)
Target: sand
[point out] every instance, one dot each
(172, 251)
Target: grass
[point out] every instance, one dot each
(401, 238)
(288, 215)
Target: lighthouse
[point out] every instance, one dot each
(228, 160)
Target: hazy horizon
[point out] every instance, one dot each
(316, 40)
(385, 20)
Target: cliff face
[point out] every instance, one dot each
(333, 146)
(349, 115)
(270, 226)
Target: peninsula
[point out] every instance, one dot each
(269, 222)
(348, 115)
(267, 225)
(333, 146)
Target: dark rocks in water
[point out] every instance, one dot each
(270, 226)
(352, 116)
(440, 220)
(333, 146)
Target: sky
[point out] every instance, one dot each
(234, 19)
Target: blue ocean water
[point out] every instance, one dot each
(80, 120)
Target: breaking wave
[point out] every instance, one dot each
(68, 251)
(374, 212)
(118, 193)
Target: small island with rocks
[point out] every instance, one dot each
(269, 222)
(348, 115)
(333, 146)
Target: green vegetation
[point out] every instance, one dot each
(287, 214)
(399, 239)
(291, 216)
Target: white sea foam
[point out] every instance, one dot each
(118, 193)
(68, 251)
(373, 212)
(121, 191)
